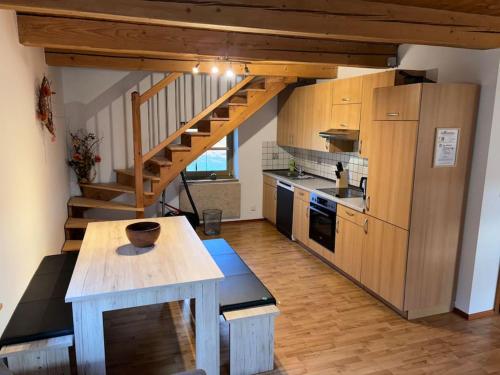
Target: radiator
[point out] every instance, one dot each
(224, 195)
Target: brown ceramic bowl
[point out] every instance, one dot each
(143, 233)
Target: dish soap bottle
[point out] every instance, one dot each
(291, 165)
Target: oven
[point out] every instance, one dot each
(322, 221)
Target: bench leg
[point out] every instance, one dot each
(251, 344)
(47, 362)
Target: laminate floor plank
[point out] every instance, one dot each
(327, 324)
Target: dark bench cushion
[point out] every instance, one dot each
(42, 312)
(241, 288)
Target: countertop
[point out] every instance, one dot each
(313, 184)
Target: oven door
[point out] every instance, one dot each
(322, 226)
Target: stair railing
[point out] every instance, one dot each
(137, 101)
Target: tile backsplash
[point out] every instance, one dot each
(316, 162)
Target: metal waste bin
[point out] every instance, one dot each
(212, 221)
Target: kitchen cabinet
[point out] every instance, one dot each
(370, 83)
(400, 103)
(384, 260)
(349, 245)
(347, 91)
(302, 114)
(346, 116)
(269, 199)
(391, 168)
(301, 216)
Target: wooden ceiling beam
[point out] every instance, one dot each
(354, 20)
(168, 42)
(130, 63)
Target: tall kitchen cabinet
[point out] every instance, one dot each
(420, 149)
(269, 199)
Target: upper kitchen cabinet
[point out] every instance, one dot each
(400, 103)
(347, 91)
(346, 117)
(303, 113)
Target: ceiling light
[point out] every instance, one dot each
(196, 68)
(215, 69)
(230, 73)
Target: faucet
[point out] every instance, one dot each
(299, 170)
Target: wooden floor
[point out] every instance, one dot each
(328, 325)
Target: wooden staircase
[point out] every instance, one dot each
(153, 171)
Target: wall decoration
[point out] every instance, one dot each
(84, 156)
(44, 110)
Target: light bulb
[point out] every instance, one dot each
(196, 68)
(215, 69)
(229, 73)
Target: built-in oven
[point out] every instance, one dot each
(322, 221)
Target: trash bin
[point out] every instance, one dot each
(211, 220)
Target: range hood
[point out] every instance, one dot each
(340, 134)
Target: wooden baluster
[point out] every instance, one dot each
(138, 162)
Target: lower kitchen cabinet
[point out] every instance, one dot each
(384, 260)
(301, 216)
(349, 245)
(269, 200)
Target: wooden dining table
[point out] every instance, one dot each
(112, 274)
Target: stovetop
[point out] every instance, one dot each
(343, 192)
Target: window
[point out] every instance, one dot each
(218, 160)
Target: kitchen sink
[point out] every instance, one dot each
(292, 175)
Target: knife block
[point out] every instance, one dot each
(343, 181)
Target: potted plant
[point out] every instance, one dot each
(84, 156)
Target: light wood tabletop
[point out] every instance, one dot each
(109, 264)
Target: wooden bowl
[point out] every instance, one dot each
(143, 233)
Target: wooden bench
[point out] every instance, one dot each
(249, 308)
(40, 332)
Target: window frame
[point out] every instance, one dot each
(228, 173)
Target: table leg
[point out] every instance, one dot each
(207, 328)
(89, 338)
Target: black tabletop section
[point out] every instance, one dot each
(42, 312)
(241, 288)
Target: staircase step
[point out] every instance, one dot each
(197, 134)
(126, 189)
(78, 223)
(111, 186)
(145, 174)
(72, 245)
(161, 161)
(235, 104)
(244, 91)
(179, 148)
(95, 203)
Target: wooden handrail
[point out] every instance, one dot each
(197, 118)
(159, 86)
(138, 161)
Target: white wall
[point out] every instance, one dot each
(259, 128)
(480, 255)
(34, 188)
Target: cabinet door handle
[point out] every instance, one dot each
(337, 227)
(275, 195)
(343, 125)
(307, 212)
(349, 213)
(346, 99)
(393, 114)
(360, 146)
(365, 226)
(368, 203)
(327, 145)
